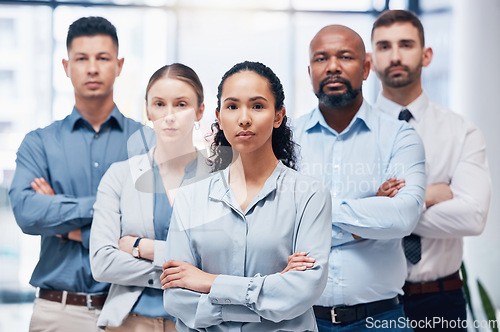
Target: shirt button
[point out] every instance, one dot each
(341, 234)
(337, 166)
(228, 301)
(91, 212)
(337, 280)
(96, 164)
(334, 195)
(151, 281)
(215, 301)
(96, 136)
(337, 250)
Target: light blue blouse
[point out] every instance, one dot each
(248, 249)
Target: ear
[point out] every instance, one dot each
(120, 66)
(369, 57)
(217, 115)
(366, 67)
(427, 56)
(278, 117)
(309, 71)
(65, 64)
(200, 111)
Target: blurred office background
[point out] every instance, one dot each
(211, 36)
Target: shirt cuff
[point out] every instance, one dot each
(231, 290)
(239, 313)
(160, 253)
(86, 206)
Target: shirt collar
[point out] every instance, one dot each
(115, 118)
(220, 189)
(416, 107)
(363, 117)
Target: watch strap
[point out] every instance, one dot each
(136, 243)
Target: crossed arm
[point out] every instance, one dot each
(40, 186)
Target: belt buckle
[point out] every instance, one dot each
(334, 316)
(90, 306)
(89, 296)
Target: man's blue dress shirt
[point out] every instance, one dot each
(72, 157)
(353, 164)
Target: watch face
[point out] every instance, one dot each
(135, 252)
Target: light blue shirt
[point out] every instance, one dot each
(248, 250)
(150, 303)
(72, 157)
(353, 164)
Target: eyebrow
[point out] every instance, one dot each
(258, 98)
(407, 41)
(86, 54)
(318, 53)
(251, 99)
(399, 41)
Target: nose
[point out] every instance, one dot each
(169, 115)
(334, 67)
(395, 55)
(244, 119)
(92, 67)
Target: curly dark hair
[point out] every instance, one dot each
(283, 145)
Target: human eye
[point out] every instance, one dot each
(258, 106)
(231, 107)
(159, 104)
(382, 47)
(182, 104)
(319, 59)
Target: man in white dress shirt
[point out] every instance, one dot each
(458, 179)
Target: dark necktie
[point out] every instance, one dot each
(413, 248)
(405, 114)
(412, 243)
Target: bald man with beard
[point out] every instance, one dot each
(374, 167)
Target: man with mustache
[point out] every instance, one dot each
(374, 167)
(58, 169)
(458, 179)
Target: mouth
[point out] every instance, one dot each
(333, 83)
(93, 84)
(169, 130)
(245, 134)
(396, 70)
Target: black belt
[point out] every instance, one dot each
(349, 314)
(91, 301)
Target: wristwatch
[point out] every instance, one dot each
(135, 249)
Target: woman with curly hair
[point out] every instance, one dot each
(233, 235)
